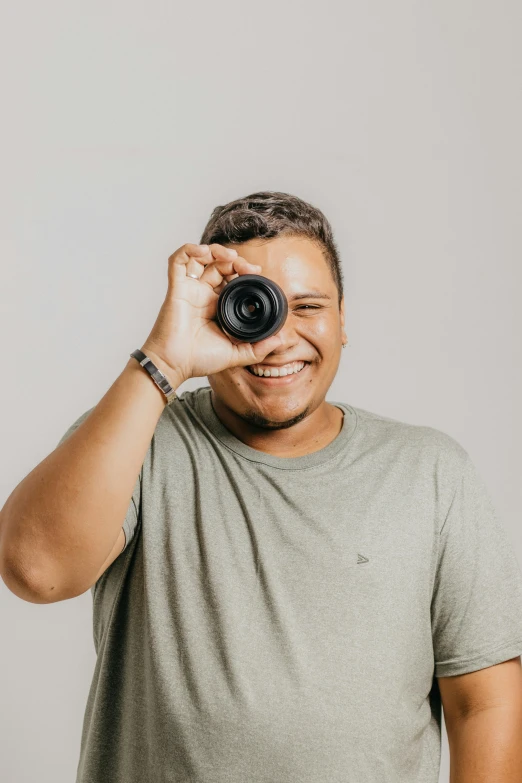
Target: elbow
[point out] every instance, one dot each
(34, 578)
(20, 577)
(21, 585)
(28, 586)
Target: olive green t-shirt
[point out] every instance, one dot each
(284, 620)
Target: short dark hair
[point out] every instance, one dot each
(269, 214)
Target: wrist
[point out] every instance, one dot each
(173, 375)
(146, 382)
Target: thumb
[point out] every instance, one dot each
(254, 353)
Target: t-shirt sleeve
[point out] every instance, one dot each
(476, 609)
(131, 518)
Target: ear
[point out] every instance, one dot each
(341, 312)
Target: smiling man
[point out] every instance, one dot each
(285, 589)
(279, 405)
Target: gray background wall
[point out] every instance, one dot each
(125, 123)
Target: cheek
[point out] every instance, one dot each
(235, 377)
(324, 333)
(224, 378)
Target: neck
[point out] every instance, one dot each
(311, 434)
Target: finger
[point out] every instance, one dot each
(189, 250)
(216, 273)
(220, 251)
(190, 259)
(193, 268)
(207, 254)
(252, 353)
(226, 279)
(209, 251)
(217, 252)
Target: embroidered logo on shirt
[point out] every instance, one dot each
(362, 559)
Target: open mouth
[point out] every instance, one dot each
(281, 380)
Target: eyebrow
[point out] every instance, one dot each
(309, 295)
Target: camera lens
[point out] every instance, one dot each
(251, 308)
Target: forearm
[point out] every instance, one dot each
(486, 747)
(59, 524)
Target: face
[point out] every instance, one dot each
(312, 333)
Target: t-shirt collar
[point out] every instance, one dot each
(228, 439)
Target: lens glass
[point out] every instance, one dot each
(249, 308)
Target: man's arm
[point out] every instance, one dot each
(483, 716)
(61, 525)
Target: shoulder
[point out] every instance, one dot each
(422, 442)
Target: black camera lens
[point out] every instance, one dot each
(251, 308)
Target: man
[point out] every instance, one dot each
(298, 584)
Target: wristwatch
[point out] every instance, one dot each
(157, 376)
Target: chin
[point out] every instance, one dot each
(281, 419)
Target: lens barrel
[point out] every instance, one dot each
(251, 308)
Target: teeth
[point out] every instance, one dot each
(277, 372)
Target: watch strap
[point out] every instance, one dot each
(157, 376)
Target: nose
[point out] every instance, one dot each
(289, 339)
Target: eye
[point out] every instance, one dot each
(310, 307)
